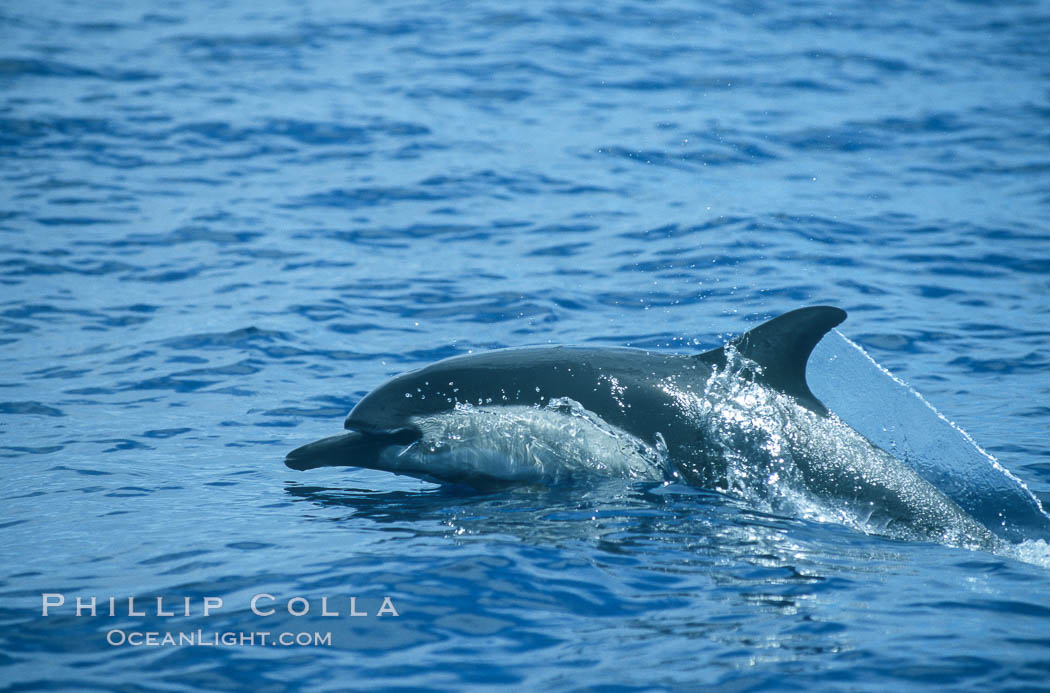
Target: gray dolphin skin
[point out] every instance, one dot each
(739, 419)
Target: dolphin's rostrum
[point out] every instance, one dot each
(740, 419)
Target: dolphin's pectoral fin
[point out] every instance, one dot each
(782, 347)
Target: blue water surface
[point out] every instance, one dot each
(222, 223)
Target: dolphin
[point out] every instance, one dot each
(740, 419)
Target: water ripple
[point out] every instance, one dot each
(220, 228)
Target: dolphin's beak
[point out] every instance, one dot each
(336, 451)
(353, 449)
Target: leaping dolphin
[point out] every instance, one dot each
(740, 419)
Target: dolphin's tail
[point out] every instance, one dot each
(353, 449)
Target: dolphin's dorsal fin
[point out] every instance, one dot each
(782, 346)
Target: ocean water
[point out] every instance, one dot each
(222, 223)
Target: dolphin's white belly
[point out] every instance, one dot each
(521, 444)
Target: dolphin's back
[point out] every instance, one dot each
(632, 389)
(615, 383)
